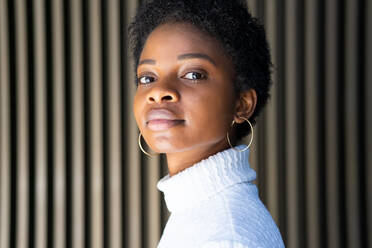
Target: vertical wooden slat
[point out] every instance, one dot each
(312, 160)
(4, 128)
(153, 202)
(351, 123)
(368, 118)
(291, 109)
(96, 124)
(40, 111)
(77, 99)
(271, 116)
(22, 124)
(253, 7)
(331, 124)
(253, 150)
(133, 184)
(59, 124)
(115, 125)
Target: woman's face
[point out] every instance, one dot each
(185, 97)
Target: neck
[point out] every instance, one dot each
(179, 161)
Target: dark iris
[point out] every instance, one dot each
(146, 80)
(194, 75)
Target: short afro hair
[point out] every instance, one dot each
(229, 21)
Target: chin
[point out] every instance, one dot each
(166, 145)
(165, 142)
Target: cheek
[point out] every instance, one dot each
(211, 114)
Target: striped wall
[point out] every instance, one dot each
(71, 172)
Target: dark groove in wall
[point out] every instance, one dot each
(31, 128)
(69, 228)
(341, 133)
(281, 113)
(321, 125)
(50, 125)
(87, 140)
(163, 207)
(302, 200)
(361, 53)
(261, 170)
(13, 124)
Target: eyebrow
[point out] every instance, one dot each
(147, 61)
(181, 57)
(196, 55)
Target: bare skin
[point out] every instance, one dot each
(185, 100)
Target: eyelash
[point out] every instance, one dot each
(203, 77)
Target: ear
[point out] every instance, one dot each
(245, 105)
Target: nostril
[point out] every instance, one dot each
(162, 97)
(167, 98)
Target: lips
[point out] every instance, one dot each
(161, 119)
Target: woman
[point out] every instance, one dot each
(203, 76)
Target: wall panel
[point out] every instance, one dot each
(21, 125)
(368, 119)
(77, 146)
(71, 172)
(312, 159)
(4, 128)
(38, 13)
(332, 127)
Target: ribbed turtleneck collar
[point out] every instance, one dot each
(206, 178)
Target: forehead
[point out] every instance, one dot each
(177, 38)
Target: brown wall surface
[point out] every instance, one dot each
(71, 172)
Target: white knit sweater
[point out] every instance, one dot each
(214, 204)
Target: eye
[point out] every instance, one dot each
(195, 76)
(145, 80)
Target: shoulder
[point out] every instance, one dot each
(251, 224)
(227, 244)
(236, 244)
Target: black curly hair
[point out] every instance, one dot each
(229, 21)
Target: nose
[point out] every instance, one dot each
(162, 93)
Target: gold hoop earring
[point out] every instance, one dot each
(250, 142)
(143, 150)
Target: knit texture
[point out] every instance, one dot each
(214, 203)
